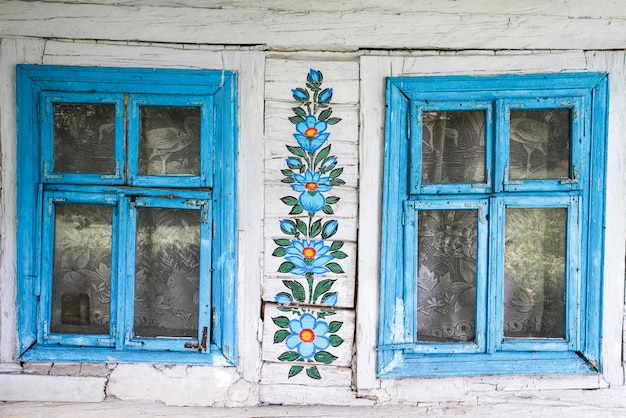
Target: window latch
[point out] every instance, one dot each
(203, 342)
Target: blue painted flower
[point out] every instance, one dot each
(288, 227)
(328, 164)
(293, 163)
(308, 256)
(300, 95)
(330, 299)
(325, 96)
(311, 135)
(330, 228)
(314, 76)
(283, 298)
(310, 185)
(307, 336)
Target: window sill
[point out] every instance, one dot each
(39, 353)
(417, 365)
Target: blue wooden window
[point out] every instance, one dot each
(127, 215)
(493, 225)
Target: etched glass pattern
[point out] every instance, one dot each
(534, 273)
(81, 281)
(539, 143)
(169, 142)
(84, 138)
(447, 241)
(167, 272)
(453, 147)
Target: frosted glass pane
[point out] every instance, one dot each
(81, 280)
(167, 272)
(534, 273)
(446, 281)
(169, 141)
(84, 138)
(453, 147)
(540, 144)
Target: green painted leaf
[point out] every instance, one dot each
(336, 182)
(297, 290)
(281, 335)
(295, 370)
(296, 119)
(299, 111)
(332, 200)
(336, 172)
(301, 226)
(334, 326)
(281, 321)
(289, 356)
(327, 210)
(335, 340)
(321, 288)
(333, 121)
(296, 151)
(285, 267)
(282, 242)
(279, 252)
(334, 267)
(336, 245)
(296, 210)
(288, 180)
(316, 228)
(286, 172)
(321, 155)
(325, 114)
(338, 254)
(313, 373)
(289, 200)
(324, 357)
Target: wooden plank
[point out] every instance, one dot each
(347, 158)
(278, 374)
(447, 63)
(346, 207)
(272, 351)
(278, 126)
(416, 27)
(344, 286)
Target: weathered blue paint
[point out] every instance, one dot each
(212, 193)
(582, 195)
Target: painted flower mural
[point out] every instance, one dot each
(307, 252)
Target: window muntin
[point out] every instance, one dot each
(551, 196)
(89, 296)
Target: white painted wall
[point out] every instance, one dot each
(343, 39)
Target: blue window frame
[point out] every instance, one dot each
(126, 209)
(493, 225)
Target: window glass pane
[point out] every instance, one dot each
(453, 147)
(447, 241)
(169, 141)
(84, 138)
(540, 144)
(81, 281)
(534, 273)
(167, 272)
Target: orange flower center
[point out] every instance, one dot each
(309, 252)
(311, 186)
(310, 133)
(307, 335)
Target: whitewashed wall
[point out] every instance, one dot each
(273, 44)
